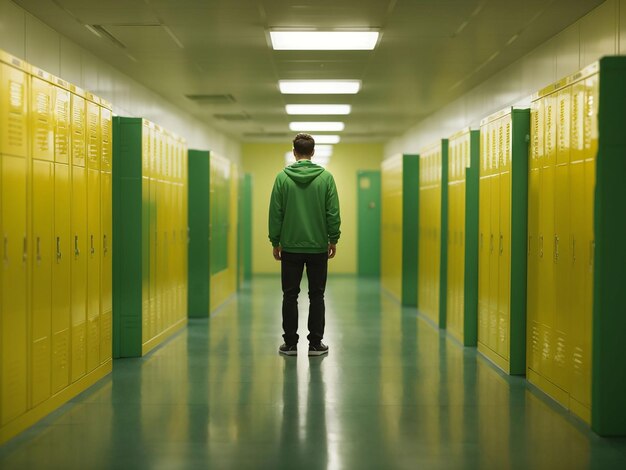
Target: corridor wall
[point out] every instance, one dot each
(462, 240)
(502, 226)
(433, 223)
(575, 255)
(55, 222)
(399, 235)
(150, 222)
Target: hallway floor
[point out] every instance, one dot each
(393, 393)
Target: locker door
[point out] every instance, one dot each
(494, 260)
(483, 241)
(534, 189)
(561, 242)
(79, 254)
(106, 268)
(504, 240)
(546, 241)
(14, 271)
(591, 149)
(41, 279)
(93, 269)
(61, 279)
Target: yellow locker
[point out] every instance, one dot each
(78, 217)
(42, 116)
(532, 306)
(61, 279)
(494, 229)
(13, 383)
(504, 236)
(483, 238)
(106, 228)
(93, 231)
(14, 241)
(154, 152)
(41, 280)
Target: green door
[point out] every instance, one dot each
(368, 213)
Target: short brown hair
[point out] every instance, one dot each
(304, 145)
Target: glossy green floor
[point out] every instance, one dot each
(393, 393)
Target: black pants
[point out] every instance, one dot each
(291, 267)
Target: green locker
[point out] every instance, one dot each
(199, 246)
(144, 221)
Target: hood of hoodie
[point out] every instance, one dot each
(304, 171)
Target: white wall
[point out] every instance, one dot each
(26, 37)
(595, 35)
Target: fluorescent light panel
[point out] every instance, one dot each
(316, 126)
(319, 87)
(324, 40)
(318, 109)
(326, 139)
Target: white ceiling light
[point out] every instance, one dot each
(319, 87)
(324, 40)
(326, 139)
(317, 126)
(318, 108)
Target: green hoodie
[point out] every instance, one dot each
(304, 209)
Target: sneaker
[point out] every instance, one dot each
(288, 350)
(318, 349)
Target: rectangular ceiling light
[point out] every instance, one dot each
(318, 108)
(326, 139)
(316, 126)
(319, 87)
(324, 40)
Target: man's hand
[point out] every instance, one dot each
(332, 250)
(276, 252)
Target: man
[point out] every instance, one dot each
(304, 229)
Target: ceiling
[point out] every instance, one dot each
(430, 52)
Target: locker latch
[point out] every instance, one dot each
(58, 249)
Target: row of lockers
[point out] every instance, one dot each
(55, 221)
(512, 219)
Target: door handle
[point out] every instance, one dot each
(541, 246)
(38, 249)
(58, 249)
(501, 244)
(556, 248)
(5, 250)
(92, 250)
(25, 250)
(491, 243)
(104, 244)
(573, 249)
(76, 250)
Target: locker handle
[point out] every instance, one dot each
(92, 250)
(38, 249)
(573, 249)
(58, 249)
(541, 246)
(25, 251)
(76, 250)
(6, 249)
(556, 248)
(104, 244)
(501, 243)
(491, 243)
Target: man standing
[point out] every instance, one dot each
(304, 229)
